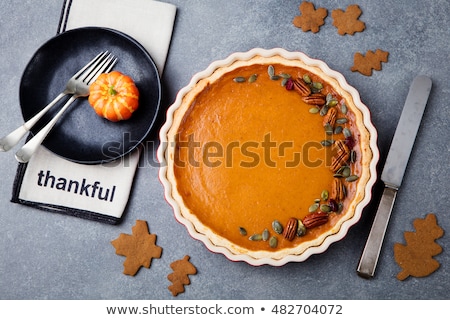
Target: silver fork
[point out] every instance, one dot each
(13, 138)
(81, 89)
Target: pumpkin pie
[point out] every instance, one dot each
(269, 156)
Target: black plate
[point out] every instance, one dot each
(80, 135)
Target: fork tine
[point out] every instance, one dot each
(111, 65)
(93, 68)
(105, 66)
(98, 57)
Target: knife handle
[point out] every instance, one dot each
(369, 257)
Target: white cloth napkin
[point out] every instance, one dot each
(148, 22)
(96, 192)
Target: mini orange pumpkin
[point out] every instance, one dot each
(114, 96)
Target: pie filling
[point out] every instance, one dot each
(261, 144)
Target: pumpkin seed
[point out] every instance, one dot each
(239, 79)
(314, 110)
(317, 200)
(324, 110)
(284, 81)
(252, 78)
(277, 227)
(346, 172)
(341, 120)
(353, 156)
(347, 132)
(313, 207)
(333, 102)
(307, 79)
(265, 235)
(328, 129)
(344, 109)
(327, 143)
(329, 98)
(324, 195)
(317, 85)
(325, 208)
(273, 242)
(242, 231)
(275, 77)
(352, 178)
(255, 237)
(301, 229)
(338, 130)
(271, 71)
(285, 75)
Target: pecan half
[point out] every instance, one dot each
(330, 117)
(341, 157)
(291, 229)
(337, 190)
(301, 87)
(342, 147)
(315, 219)
(317, 99)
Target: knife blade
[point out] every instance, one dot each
(394, 169)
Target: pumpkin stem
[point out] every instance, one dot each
(112, 91)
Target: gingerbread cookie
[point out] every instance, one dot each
(371, 61)
(347, 22)
(416, 257)
(139, 248)
(311, 19)
(180, 276)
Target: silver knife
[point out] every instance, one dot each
(394, 169)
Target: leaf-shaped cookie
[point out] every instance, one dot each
(347, 22)
(179, 278)
(416, 257)
(371, 61)
(138, 248)
(310, 18)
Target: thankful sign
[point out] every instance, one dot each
(83, 188)
(102, 189)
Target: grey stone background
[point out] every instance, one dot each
(52, 256)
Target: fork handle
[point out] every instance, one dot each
(24, 154)
(13, 138)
